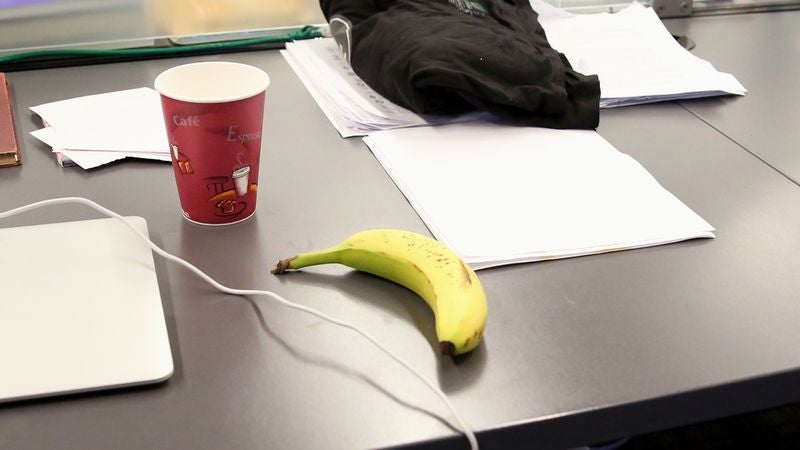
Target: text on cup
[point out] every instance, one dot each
(188, 121)
(234, 135)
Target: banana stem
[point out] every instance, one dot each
(327, 256)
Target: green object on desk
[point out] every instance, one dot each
(307, 32)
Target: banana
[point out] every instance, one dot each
(430, 269)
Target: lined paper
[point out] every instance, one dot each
(635, 57)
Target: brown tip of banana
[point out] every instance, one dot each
(447, 348)
(283, 265)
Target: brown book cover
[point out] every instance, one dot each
(9, 151)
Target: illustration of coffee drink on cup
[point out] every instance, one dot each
(182, 161)
(241, 180)
(241, 176)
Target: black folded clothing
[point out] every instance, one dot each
(453, 56)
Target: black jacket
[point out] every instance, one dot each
(452, 56)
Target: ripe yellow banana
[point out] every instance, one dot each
(424, 265)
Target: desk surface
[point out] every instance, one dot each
(576, 351)
(761, 50)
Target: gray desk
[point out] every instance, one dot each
(576, 351)
(763, 52)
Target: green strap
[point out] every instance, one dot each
(307, 32)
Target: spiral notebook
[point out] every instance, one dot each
(80, 310)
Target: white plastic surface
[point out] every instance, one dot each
(80, 310)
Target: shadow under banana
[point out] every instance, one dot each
(426, 267)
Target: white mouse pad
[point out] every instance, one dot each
(80, 310)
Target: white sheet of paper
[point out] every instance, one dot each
(499, 194)
(49, 136)
(89, 159)
(126, 121)
(635, 57)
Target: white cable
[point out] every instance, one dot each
(473, 442)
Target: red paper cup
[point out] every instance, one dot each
(214, 113)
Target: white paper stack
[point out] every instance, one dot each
(98, 129)
(351, 105)
(503, 195)
(635, 57)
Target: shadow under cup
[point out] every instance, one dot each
(213, 112)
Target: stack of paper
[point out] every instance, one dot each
(502, 195)
(353, 108)
(98, 129)
(636, 59)
(634, 55)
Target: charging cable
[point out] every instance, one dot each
(473, 442)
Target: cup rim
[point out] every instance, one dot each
(243, 170)
(260, 87)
